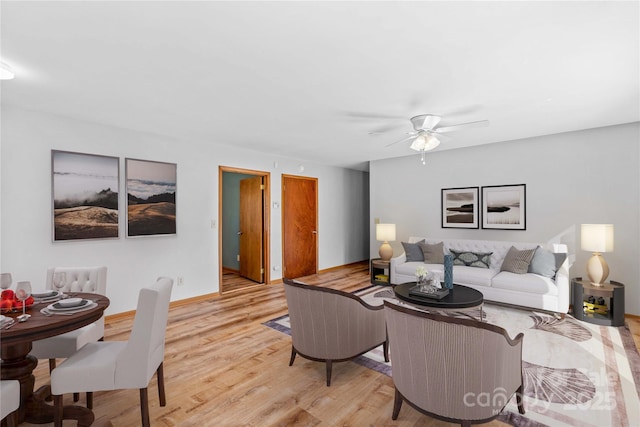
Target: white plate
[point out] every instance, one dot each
(56, 306)
(45, 294)
(70, 302)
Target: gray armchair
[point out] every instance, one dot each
(456, 370)
(328, 325)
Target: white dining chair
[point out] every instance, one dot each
(78, 279)
(10, 401)
(115, 365)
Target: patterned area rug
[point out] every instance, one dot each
(575, 373)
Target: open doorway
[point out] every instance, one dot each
(243, 232)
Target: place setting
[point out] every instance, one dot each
(68, 306)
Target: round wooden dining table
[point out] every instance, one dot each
(18, 364)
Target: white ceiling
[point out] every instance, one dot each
(294, 78)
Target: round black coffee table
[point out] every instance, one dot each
(459, 298)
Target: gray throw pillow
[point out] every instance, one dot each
(471, 259)
(433, 253)
(413, 251)
(517, 261)
(543, 263)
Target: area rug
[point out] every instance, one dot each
(575, 373)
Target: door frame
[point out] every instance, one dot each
(282, 197)
(266, 220)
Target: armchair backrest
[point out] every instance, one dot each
(145, 349)
(81, 279)
(456, 368)
(332, 324)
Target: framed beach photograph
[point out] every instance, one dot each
(460, 207)
(84, 195)
(504, 207)
(151, 198)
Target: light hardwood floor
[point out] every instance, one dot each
(224, 368)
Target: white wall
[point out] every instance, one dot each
(27, 249)
(572, 178)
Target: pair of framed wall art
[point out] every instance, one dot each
(85, 199)
(501, 207)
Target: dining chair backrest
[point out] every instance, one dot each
(145, 349)
(81, 279)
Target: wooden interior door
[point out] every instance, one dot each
(299, 226)
(251, 220)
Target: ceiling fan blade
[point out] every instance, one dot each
(405, 139)
(384, 129)
(461, 126)
(424, 121)
(430, 121)
(360, 115)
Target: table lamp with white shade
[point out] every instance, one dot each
(385, 233)
(597, 238)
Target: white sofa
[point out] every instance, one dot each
(529, 290)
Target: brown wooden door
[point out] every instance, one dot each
(251, 203)
(299, 226)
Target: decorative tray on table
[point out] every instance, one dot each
(433, 293)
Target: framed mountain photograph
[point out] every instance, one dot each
(84, 195)
(151, 198)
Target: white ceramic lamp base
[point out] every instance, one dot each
(385, 251)
(597, 269)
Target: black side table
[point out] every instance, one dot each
(379, 270)
(613, 295)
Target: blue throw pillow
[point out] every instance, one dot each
(546, 263)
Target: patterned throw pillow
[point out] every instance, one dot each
(413, 251)
(471, 259)
(517, 261)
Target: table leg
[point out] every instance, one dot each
(18, 364)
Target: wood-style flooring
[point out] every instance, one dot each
(224, 368)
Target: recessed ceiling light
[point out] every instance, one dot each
(6, 73)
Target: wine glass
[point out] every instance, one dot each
(23, 291)
(5, 280)
(59, 282)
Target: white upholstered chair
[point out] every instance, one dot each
(10, 401)
(114, 365)
(78, 279)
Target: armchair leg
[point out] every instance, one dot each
(397, 404)
(385, 347)
(57, 410)
(160, 377)
(90, 399)
(76, 397)
(52, 365)
(519, 400)
(293, 355)
(329, 366)
(144, 407)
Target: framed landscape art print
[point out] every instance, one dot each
(504, 207)
(84, 195)
(460, 207)
(151, 198)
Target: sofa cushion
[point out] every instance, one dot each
(517, 261)
(529, 283)
(433, 253)
(471, 259)
(546, 263)
(463, 275)
(413, 251)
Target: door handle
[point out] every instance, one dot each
(314, 232)
(239, 233)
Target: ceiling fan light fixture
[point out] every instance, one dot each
(425, 142)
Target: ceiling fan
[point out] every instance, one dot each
(425, 136)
